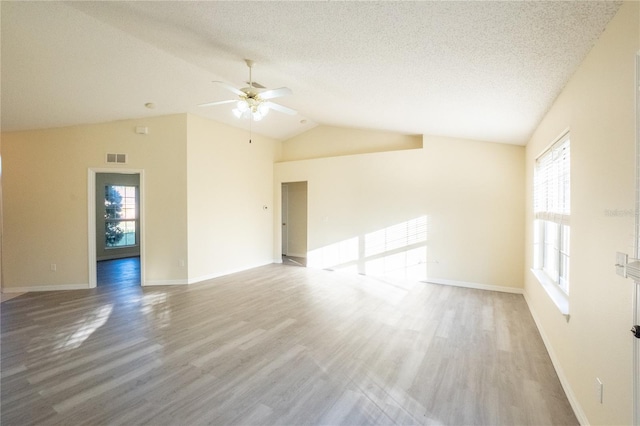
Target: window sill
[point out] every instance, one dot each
(559, 297)
(121, 247)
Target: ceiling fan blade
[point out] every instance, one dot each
(280, 108)
(217, 103)
(275, 93)
(230, 88)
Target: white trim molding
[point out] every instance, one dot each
(573, 401)
(165, 282)
(54, 287)
(553, 290)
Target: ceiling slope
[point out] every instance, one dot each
(480, 69)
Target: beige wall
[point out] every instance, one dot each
(597, 105)
(204, 195)
(328, 141)
(469, 192)
(230, 181)
(45, 175)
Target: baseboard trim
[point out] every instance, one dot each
(55, 287)
(476, 286)
(228, 272)
(164, 282)
(566, 386)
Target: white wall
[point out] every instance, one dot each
(229, 182)
(45, 175)
(597, 105)
(470, 193)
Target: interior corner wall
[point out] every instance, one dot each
(229, 199)
(45, 177)
(470, 193)
(597, 105)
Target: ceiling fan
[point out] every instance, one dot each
(253, 102)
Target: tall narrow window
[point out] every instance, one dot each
(121, 215)
(552, 207)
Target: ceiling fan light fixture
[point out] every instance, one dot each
(242, 105)
(263, 108)
(253, 104)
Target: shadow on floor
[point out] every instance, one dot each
(294, 261)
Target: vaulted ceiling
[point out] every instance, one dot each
(473, 69)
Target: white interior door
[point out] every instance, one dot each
(285, 219)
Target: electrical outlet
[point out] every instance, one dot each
(53, 267)
(599, 390)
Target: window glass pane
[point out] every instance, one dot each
(120, 234)
(120, 203)
(564, 245)
(111, 213)
(564, 272)
(551, 252)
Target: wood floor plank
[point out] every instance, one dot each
(276, 345)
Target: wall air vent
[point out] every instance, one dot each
(116, 158)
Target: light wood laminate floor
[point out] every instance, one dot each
(276, 345)
(118, 272)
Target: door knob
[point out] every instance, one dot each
(636, 331)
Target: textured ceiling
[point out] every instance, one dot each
(476, 69)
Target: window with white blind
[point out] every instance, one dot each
(552, 208)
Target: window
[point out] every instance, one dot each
(552, 208)
(121, 216)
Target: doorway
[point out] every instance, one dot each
(294, 223)
(118, 229)
(116, 224)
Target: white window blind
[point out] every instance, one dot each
(552, 208)
(552, 183)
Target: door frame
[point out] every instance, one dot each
(91, 209)
(284, 219)
(636, 284)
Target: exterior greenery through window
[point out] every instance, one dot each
(552, 208)
(120, 216)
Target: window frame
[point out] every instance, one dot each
(552, 214)
(134, 220)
